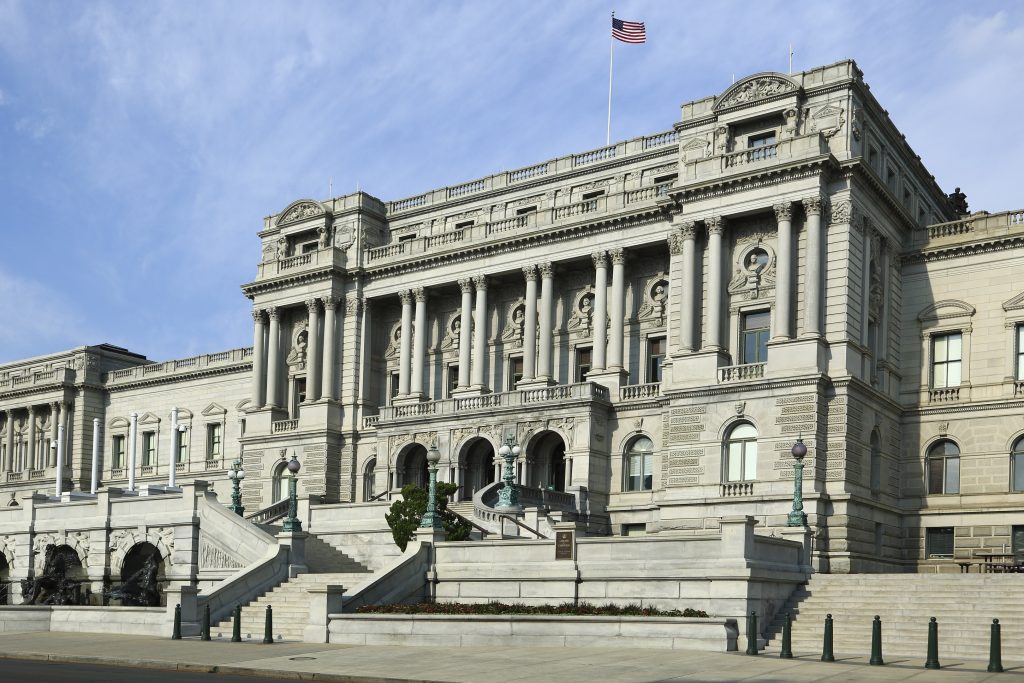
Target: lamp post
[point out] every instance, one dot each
(797, 516)
(432, 520)
(292, 523)
(508, 497)
(236, 474)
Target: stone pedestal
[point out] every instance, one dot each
(316, 414)
(187, 597)
(323, 601)
(465, 392)
(296, 542)
(610, 379)
(802, 535)
(694, 369)
(797, 356)
(259, 421)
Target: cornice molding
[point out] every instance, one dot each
(184, 376)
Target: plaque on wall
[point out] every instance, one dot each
(563, 545)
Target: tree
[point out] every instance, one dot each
(405, 514)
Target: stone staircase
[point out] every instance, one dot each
(963, 604)
(464, 508)
(289, 600)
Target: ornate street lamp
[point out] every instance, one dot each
(432, 520)
(292, 523)
(508, 497)
(236, 474)
(797, 516)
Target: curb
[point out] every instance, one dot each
(186, 667)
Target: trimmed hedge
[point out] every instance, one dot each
(566, 609)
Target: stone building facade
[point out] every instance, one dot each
(655, 322)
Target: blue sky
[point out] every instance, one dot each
(141, 143)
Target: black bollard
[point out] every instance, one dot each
(205, 627)
(176, 633)
(752, 634)
(236, 628)
(787, 638)
(876, 642)
(933, 645)
(268, 631)
(826, 648)
(995, 650)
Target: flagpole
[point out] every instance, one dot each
(611, 62)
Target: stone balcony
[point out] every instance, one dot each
(57, 376)
(755, 159)
(977, 228)
(182, 366)
(330, 257)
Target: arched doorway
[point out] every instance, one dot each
(278, 487)
(548, 454)
(369, 482)
(5, 578)
(142, 576)
(59, 582)
(412, 466)
(478, 463)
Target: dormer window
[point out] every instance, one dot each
(762, 146)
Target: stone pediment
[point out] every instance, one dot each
(757, 87)
(149, 418)
(301, 210)
(214, 409)
(118, 423)
(1014, 304)
(944, 310)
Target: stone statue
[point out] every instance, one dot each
(141, 588)
(52, 586)
(959, 201)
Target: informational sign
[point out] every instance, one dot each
(563, 545)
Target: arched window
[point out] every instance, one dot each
(277, 486)
(741, 453)
(876, 461)
(640, 464)
(943, 464)
(1017, 466)
(368, 479)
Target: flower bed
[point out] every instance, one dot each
(564, 609)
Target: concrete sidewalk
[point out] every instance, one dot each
(304, 661)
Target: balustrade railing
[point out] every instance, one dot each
(740, 373)
(294, 262)
(944, 395)
(386, 251)
(281, 426)
(477, 402)
(444, 238)
(577, 209)
(370, 421)
(751, 155)
(593, 156)
(506, 224)
(466, 188)
(521, 174)
(737, 488)
(212, 465)
(147, 470)
(408, 203)
(179, 365)
(636, 392)
(659, 139)
(270, 513)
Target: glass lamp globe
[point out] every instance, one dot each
(294, 465)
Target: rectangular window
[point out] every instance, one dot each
(117, 453)
(754, 337)
(525, 210)
(1020, 352)
(944, 475)
(938, 542)
(182, 446)
(946, 350)
(309, 247)
(878, 538)
(407, 238)
(1018, 544)
(587, 196)
(655, 358)
(463, 225)
(1017, 465)
(515, 371)
(213, 441)
(584, 359)
(453, 379)
(393, 386)
(148, 448)
(762, 146)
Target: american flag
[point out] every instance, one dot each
(629, 31)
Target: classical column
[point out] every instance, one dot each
(50, 458)
(715, 226)
(600, 309)
(784, 272)
(65, 436)
(530, 325)
(618, 304)
(273, 361)
(172, 461)
(313, 351)
(546, 333)
(465, 331)
(132, 434)
(259, 359)
(34, 459)
(60, 458)
(688, 246)
(9, 442)
(330, 391)
(365, 352)
(94, 481)
(814, 269)
(480, 328)
(419, 344)
(406, 342)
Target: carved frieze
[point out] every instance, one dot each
(301, 211)
(757, 88)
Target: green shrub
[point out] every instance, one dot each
(566, 608)
(405, 514)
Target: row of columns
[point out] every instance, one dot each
(783, 318)
(34, 453)
(267, 359)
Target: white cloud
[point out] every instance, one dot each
(40, 319)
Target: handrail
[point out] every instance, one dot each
(521, 525)
(270, 513)
(483, 531)
(378, 496)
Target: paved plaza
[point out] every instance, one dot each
(305, 661)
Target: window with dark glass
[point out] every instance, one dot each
(938, 542)
(741, 453)
(943, 464)
(515, 371)
(212, 441)
(584, 360)
(453, 379)
(393, 384)
(655, 358)
(762, 146)
(1017, 466)
(754, 337)
(946, 358)
(148, 448)
(1020, 352)
(118, 452)
(182, 455)
(309, 247)
(640, 465)
(876, 461)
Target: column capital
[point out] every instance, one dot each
(273, 313)
(330, 301)
(600, 259)
(617, 256)
(812, 205)
(420, 293)
(547, 270)
(257, 315)
(688, 230)
(715, 225)
(312, 307)
(480, 281)
(530, 273)
(783, 211)
(466, 284)
(354, 304)
(406, 296)
(32, 408)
